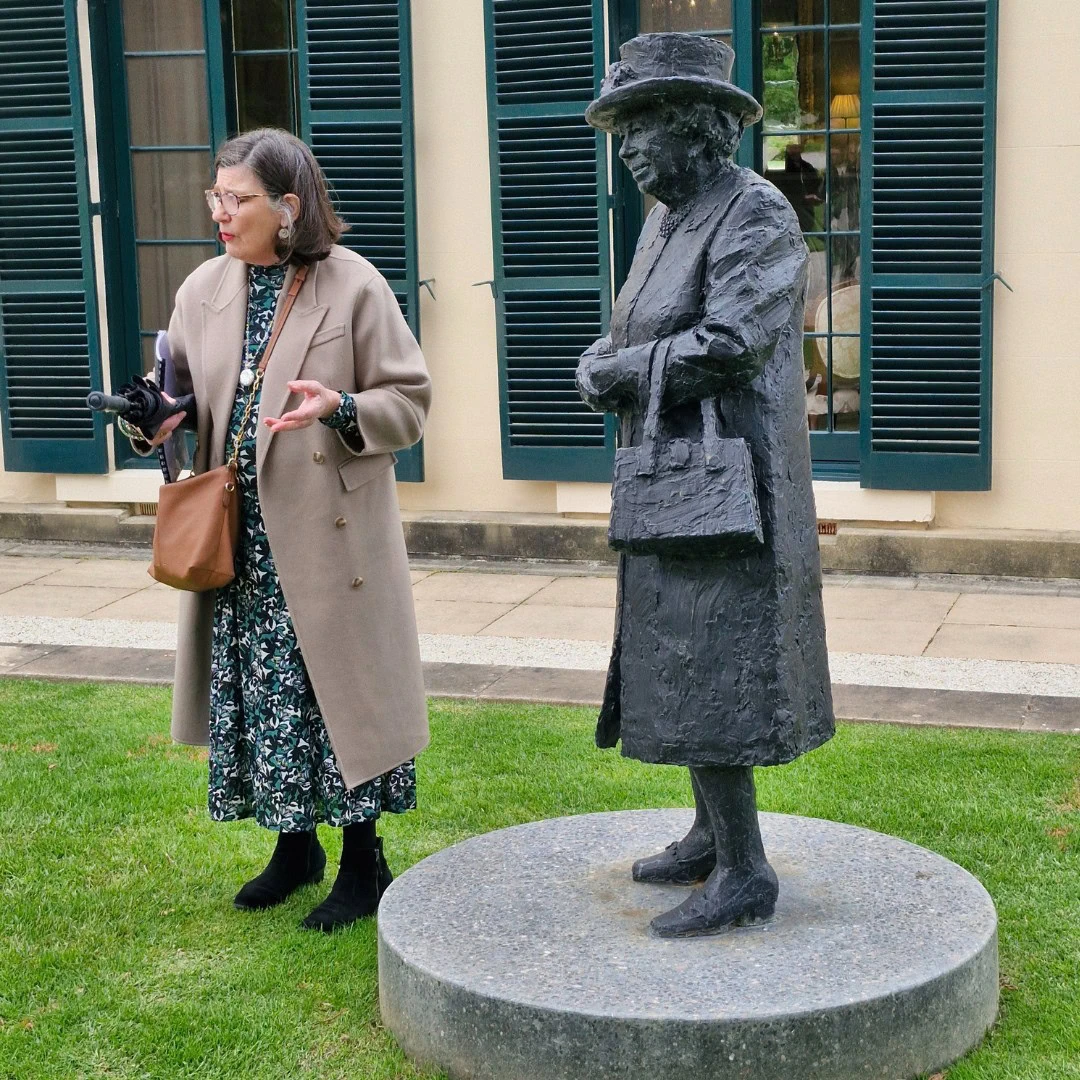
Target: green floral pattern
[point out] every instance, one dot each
(270, 754)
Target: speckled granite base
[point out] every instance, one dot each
(523, 954)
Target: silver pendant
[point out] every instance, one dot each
(247, 377)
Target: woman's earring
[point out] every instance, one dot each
(284, 232)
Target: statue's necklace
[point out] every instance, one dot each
(671, 220)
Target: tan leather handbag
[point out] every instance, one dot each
(198, 519)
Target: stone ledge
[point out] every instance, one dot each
(557, 539)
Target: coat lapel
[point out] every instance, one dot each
(223, 343)
(288, 356)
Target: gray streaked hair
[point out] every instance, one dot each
(285, 165)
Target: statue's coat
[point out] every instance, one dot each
(719, 661)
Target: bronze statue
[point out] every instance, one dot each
(719, 660)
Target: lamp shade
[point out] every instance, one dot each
(844, 111)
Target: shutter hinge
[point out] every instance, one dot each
(494, 287)
(996, 276)
(95, 208)
(428, 283)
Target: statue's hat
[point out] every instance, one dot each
(656, 68)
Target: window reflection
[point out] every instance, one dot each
(688, 16)
(811, 152)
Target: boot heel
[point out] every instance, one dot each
(757, 916)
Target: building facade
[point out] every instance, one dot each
(927, 146)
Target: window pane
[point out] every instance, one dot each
(261, 24)
(151, 25)
(797, 169)
(168, 195)
(162, 269)
(845, 11)
(792, 12)
(264, 92)
(844, 72)
(844, 182)
(793, 72)
(167, 101)
(656, 16)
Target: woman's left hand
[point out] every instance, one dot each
(318, 402)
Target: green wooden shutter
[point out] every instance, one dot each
(930, 65)
(49, 352)
(357, 116)
(550, 225)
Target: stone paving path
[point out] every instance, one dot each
(509, 631)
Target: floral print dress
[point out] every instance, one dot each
(270, 754)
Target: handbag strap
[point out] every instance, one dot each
(650, 436)
(290, 299)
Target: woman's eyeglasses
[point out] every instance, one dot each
(229, 201)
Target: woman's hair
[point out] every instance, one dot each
(285, 165)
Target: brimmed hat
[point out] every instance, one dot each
(655, 68)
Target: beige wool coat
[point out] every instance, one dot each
(330, 508)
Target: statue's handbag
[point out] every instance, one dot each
(198, 519)
(696, 498)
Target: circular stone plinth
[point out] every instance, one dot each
(524, 954)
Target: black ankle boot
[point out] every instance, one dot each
(729, 898)
(682, 863)
(362, 879)
(298, 860)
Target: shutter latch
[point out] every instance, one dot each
(429, 284)
(494, 287)
(996, 276)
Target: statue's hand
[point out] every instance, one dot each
(605, 383)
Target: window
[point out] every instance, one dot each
(810, 149)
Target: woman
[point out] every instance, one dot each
(303, 674)
(719, 663)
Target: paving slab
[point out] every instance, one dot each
(90, 663)
(1036, 644)
(551, 621)
(1053, 714)
(455, 616)
(101, 573)
(460, 680)
(57, 601)
(554, 686)
(1005, 609)
(881, 636)
(13, 657)
(146, 605)
(888, 605)
(937, 708)
(485, 588)
(577, 592)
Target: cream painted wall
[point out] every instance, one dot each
(462, 447)
(1036, 430)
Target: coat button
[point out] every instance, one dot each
(340, 523)
(357, 582)
(318, 457)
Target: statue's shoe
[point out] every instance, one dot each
(729, 898)
(678, 864)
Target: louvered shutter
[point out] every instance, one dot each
(357, 116)
(550, 225)
(930, 244)
(49, 354)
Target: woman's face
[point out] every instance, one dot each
(658, 156)
(251, 233)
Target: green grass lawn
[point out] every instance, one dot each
(121, 954)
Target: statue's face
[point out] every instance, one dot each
(657, 154)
